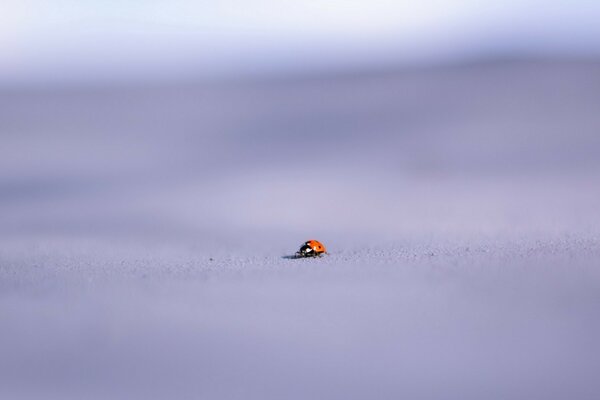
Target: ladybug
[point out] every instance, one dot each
(311, 248)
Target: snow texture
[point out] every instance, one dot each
(144, 234)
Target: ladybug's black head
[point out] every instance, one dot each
(306, 251)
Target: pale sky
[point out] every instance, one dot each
(54, 38)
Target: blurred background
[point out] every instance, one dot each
(158, 158)
(365, 118)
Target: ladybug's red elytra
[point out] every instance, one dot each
(311, 248)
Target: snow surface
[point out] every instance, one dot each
(144, 235)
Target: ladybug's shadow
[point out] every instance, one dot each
(297, 257)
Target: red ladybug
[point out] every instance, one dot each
(311, 248)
